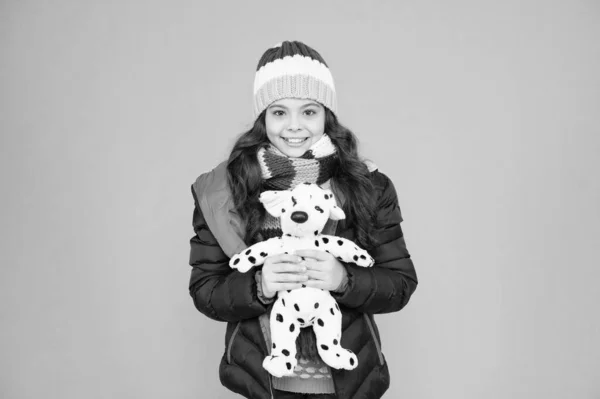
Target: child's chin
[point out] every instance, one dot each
(295, 152)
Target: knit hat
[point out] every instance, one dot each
(292, 70)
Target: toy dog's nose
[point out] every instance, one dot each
(299, 216)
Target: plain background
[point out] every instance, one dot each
(485, 115)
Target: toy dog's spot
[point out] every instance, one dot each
(294, 201)
(351, 362)
(283, 301)
(285, 352)
(320, 322)
(316, 232)
(325, 240)
(279, 318)
(355, 258)
(288, 365)
(316, 243)
(319, 209)
(300, 320)
(337, 307)
(264, 254)
(296, 307)
(252, 259)
(247, 252)
(235, 262)
(324, 347)
(317, 305)
(340, 242)
(292, 327)
(335, 341)
(332, 313)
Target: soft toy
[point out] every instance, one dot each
(303, 213)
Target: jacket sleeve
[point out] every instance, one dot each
(388, 285)
(218, 291)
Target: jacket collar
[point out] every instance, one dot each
(217, 208)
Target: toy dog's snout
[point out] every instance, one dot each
(299, 216)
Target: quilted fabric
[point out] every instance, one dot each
(227, 295)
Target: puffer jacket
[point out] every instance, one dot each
(225, 294)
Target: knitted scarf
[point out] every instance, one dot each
(283, 173)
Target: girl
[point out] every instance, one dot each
(297, 138)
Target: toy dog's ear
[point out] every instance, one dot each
(336, 213)
(275, 201)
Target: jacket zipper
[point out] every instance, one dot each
(235, 330)
(374, 338)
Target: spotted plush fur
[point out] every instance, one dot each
(303, 212)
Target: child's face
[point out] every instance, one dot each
(293, 125)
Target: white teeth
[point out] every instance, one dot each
(294, 141)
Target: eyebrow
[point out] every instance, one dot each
(312, 103)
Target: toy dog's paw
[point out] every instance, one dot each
(339, 358)
(362, 258)
(241, 263)
(280, 366)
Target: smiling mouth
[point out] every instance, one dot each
(294, 140)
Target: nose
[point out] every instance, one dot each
(299, 216)
(294, 123)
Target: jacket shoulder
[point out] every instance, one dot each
(385, 191)
(382, 183)
(214, 180)
(213, 200)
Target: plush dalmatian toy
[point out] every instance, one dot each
(303, 212)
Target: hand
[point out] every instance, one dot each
(323, 269)
(282, 272)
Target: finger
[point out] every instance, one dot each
(312, 264)
(288, 268)
(289, 258)
(315, 275)
(290, 278)
(312, 253)
(316, 284)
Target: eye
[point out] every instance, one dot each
(310, 112)
(278, 112)
(319, 209)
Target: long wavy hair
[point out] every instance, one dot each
(350, 179)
